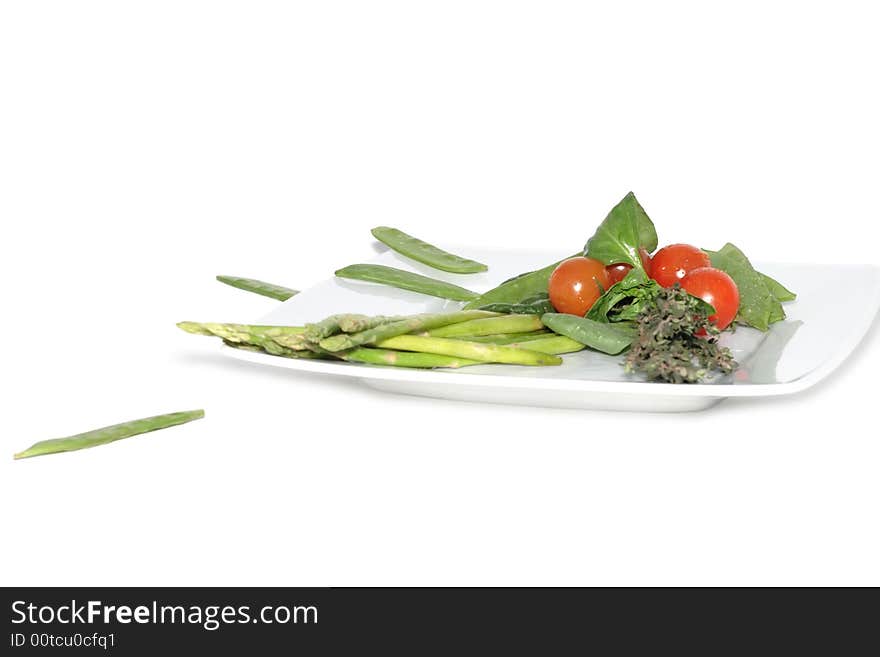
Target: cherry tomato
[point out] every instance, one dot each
(672, 263)
(717, 289)
(618, 272)
(647, 261)
(575, 285)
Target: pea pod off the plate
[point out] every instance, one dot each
(428, 254)
(259, 287)
(109, 434)
(406, 280)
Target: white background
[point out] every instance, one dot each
(146, 147)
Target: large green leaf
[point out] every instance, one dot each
(778, 290)
(516, 289)
(619, 236)
(537, 304)
(758, 307)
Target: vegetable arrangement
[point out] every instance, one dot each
(664, 309)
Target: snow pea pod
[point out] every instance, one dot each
(259, 287)
(428, 254)
(406, 280)
(607, 338)
(109, 434)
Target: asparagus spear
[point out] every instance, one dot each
(373, 356)
(290, 353)
(556, 344)
(265, 337)
(490, 326)
(403, 358)
(348, 323)
(358, 323)
(407, 325)
(241, 332)
(505, 338)
(319, 330)
(259, 287)
(109, 434)
(486, 353)
(242, 346)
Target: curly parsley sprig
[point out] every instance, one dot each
(676, 342)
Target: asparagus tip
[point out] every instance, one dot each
(189, 327)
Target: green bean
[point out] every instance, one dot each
(406, 281)
(486, 353)
(607, 338)
(259, 287)
(423, 252)
(109, 434)
(490, 326)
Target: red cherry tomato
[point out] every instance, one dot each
(717, 289)
(575, 285)
(647, 261)
(618, 272)
(672, 263)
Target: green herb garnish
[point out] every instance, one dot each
(676, 342)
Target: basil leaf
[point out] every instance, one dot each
(758, 307)
(624, 300)
(778, 290)
(516, 289)
(537, 304)
(619, 236)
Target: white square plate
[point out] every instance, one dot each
(792, 356)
